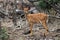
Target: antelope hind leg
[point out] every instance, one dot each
(46, 28)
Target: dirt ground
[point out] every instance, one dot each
(17, 32)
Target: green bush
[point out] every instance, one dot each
(44, 5)
(3, 34)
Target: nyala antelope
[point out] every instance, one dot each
(36, 18)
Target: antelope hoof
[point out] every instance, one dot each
(45, 34)
(31, 34)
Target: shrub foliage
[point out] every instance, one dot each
(3, 34)
(44, 5)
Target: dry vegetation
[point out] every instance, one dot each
(17, 32)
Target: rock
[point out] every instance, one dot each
(27, 32)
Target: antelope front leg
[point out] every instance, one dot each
(31, 26)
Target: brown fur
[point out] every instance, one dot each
(36, 18)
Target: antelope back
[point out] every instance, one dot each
(36, 18)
